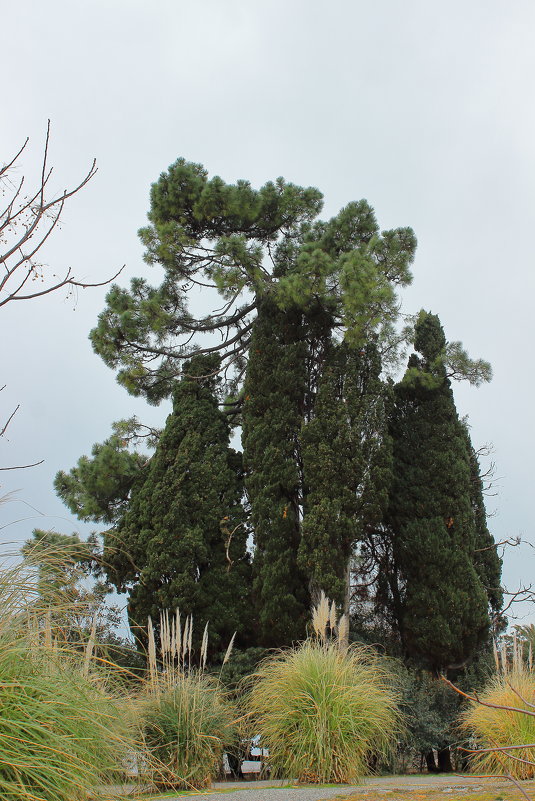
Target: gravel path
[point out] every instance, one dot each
(269, 791)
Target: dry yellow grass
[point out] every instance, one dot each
(506, 737)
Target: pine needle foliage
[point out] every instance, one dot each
(322, 710)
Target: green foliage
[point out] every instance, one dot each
(98, 488)
(247, 244)
(182, 541)
(431, 515)
(59, 558)
(432, 561)
(273, 398)
(61, 733)
(185, 729)
(233, 672)
(431, 710)
(345, 459)
(323, 711)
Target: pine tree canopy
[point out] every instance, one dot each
(98, 488)
(242, 246)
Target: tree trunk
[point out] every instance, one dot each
(430, 762)
(444, 760)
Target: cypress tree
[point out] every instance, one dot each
(274, 395)
(346, 460)
(182, 541)
(440, 604)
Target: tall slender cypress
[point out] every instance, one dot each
(345, 456)
(441, 608)
(274, 395)
(182, 541)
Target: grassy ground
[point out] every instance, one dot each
(473, 790)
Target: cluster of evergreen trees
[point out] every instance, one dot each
(344, 483)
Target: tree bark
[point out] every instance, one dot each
(444, 760)
(430, 762)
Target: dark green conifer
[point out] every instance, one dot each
(182, 540)
(346, 460)
(440, 604)
(274, 396)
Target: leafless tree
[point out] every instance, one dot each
(27, 219)
(28, 216)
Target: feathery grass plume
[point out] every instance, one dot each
(185, 640)
(323, 711)
(343, 632)
(333, 617)
(230, 646)
(204, 647)
(503, 655)
(178, 630)
(504, 735)
(320, 616)
(88, 650)
(190, 636)
(61, 733)
(186, 719)
(496, 655)
(153, 665)
(165, 639)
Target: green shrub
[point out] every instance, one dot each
(497, 728)
(323, 710)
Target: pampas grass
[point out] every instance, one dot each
(504, 736)
(323, 710)
(60, 731)
(185, 729)
(186, 718)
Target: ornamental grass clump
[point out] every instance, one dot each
(504, 733)
(186, 718)
(323, 709)
(61, 734)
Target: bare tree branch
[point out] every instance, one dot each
(26, 223)
(22, 466)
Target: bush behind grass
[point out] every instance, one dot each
(323, 710)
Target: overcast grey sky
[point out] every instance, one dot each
(424, 108)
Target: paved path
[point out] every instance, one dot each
(275, 791)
